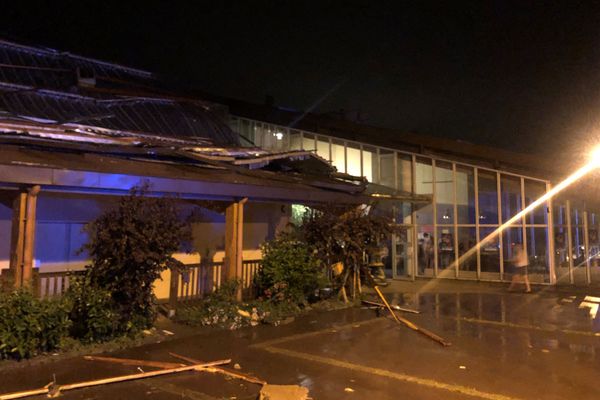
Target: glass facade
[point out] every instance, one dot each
(468, 205)
(578, 243)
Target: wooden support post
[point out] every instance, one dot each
(17, 238)
(234, 233)
(173, 292)
(23, 237)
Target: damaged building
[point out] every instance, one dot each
(77, 133)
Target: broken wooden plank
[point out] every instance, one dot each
(56, 389)
(224, 371)
(401, 320)
(27, 393)
(135, 363)
(394, 307)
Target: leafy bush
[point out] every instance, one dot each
(29, 326)
(130, 246)
(289, 271)
(92, 312)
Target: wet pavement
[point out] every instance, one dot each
(504, 346)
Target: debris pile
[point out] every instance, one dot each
(268, 392)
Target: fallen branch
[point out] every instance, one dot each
(55, 390)
(135, 363)
(401, 320)
(224, 371)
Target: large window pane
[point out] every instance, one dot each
(323, 148)
(537, 251)
(308, 141)
(593, 218)
(259, 134)
(510, 187)
(444, 193)
(353, 159)
(402, 212)
(338, 155)
(559, 212)
(467, 258)
(246, 129)
(426, 250)
(386, 168)
(424, 176)
(490, 252)
(271, 137)
(511, 237)
(578, 245)
(577, 212)
(561, 253)
(370, 164)
(404, 252)
(488, 197)
(424, 185)
(533, 191)
(445, 248)
(295, 139)
(465, 194)
(404, 174)
(579, 261)
(594, 252)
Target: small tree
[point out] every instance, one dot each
(130, 246)
(346, 234)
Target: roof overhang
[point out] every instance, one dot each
(99, 174)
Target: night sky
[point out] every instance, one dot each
(522, 75)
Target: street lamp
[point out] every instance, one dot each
(595, 156)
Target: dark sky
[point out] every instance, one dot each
(523, 75)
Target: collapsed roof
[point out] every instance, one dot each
(61, 112)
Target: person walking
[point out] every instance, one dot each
(520, 263)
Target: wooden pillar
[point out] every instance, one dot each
(23, 237)
(173, 292)
(234, 233)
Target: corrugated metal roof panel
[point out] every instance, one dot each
(160, 117)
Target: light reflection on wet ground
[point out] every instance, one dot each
(505, 345)
(505, 319)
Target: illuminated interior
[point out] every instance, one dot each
(469, 203)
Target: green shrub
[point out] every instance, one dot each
(130, 246)
(289, 271)
(29, 326)
(92, 312)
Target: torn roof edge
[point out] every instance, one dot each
(50, 52)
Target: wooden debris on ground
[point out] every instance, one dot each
(414, 327)
(224, 371)
(393, 307)
(136, 363)
(53, 390)
(283, 392)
